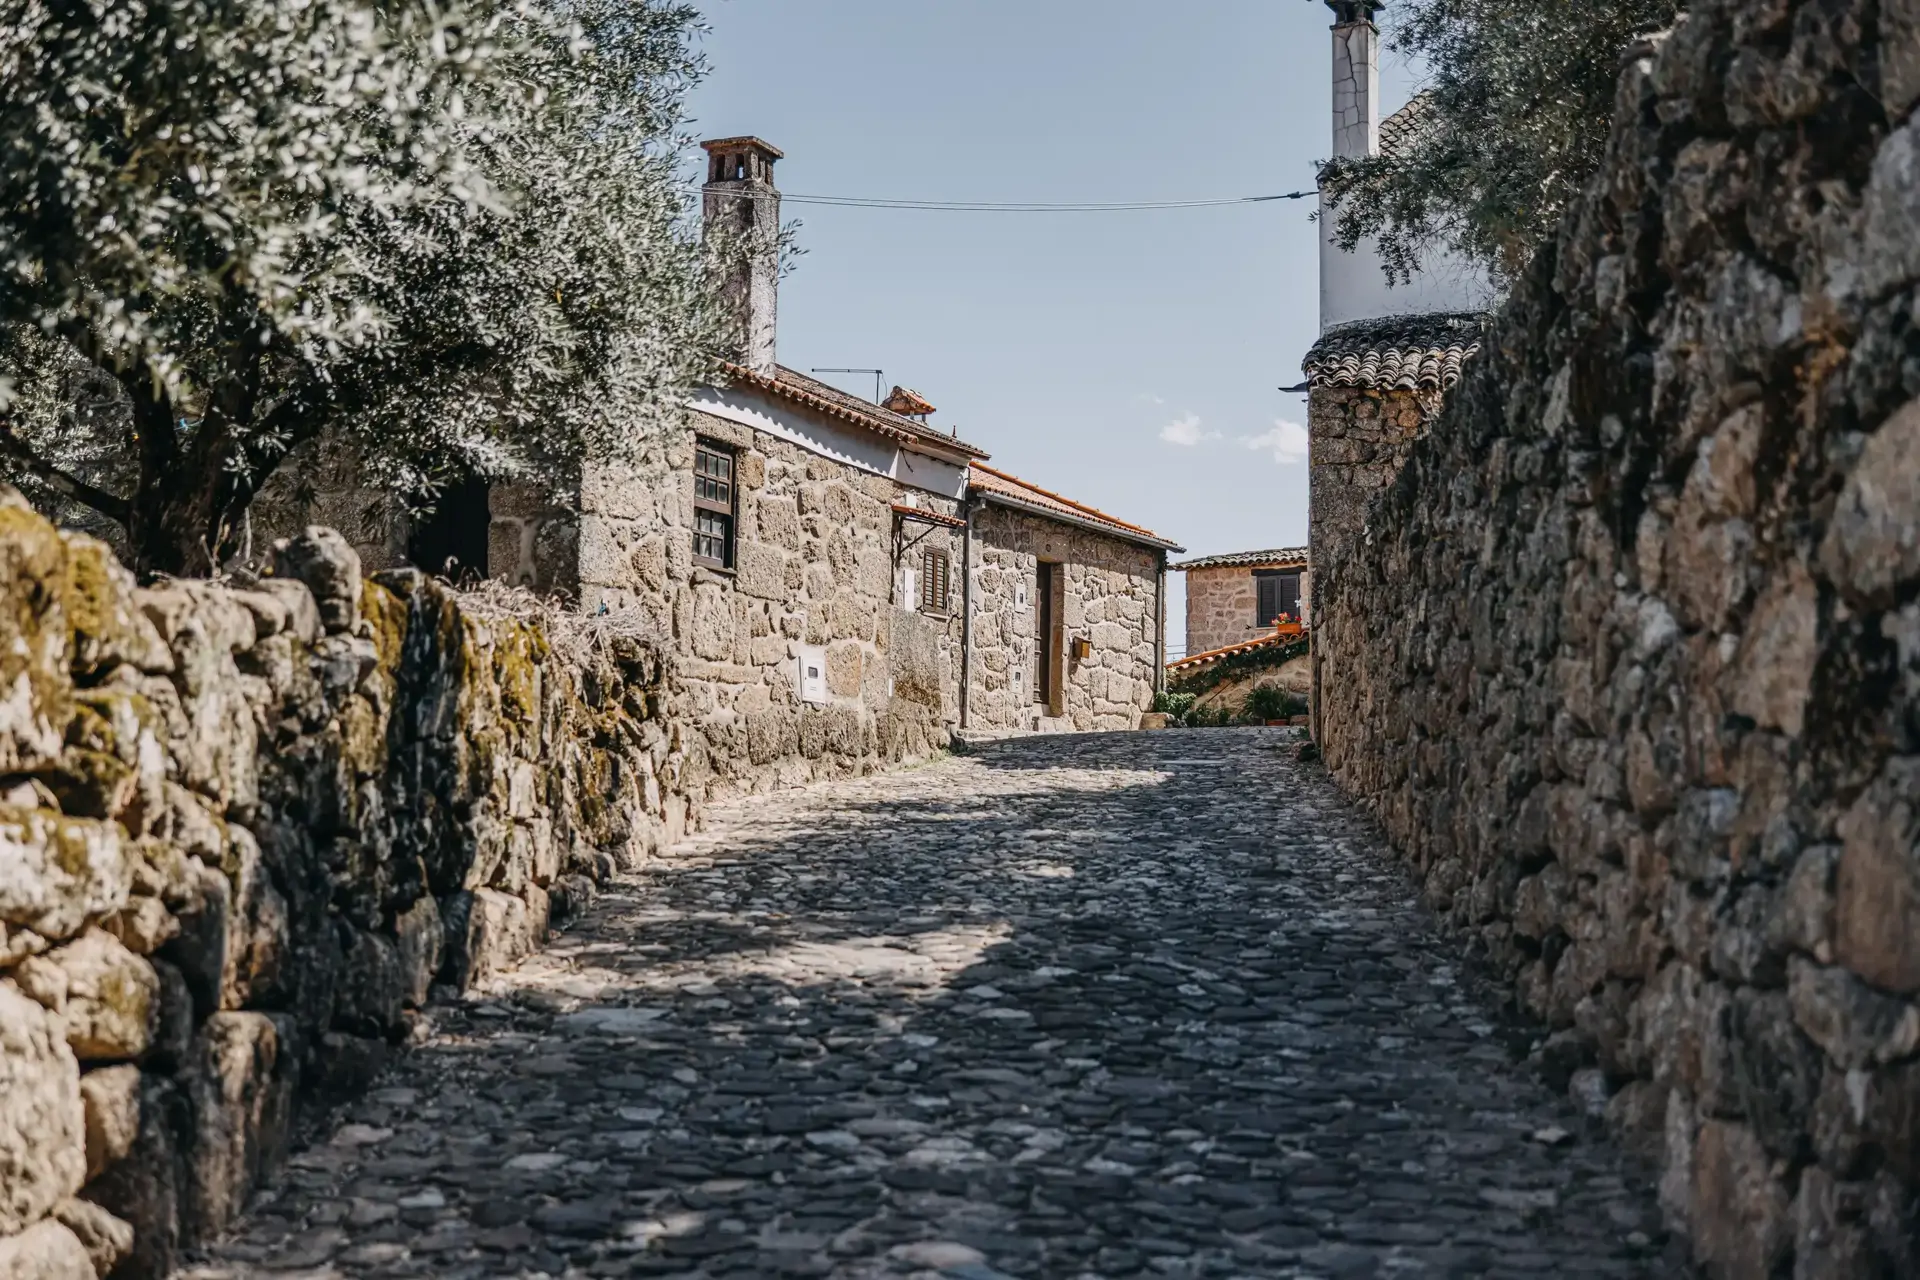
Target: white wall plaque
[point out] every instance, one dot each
(811, 672)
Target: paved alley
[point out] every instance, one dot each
(1151, 1004)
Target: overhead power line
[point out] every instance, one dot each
(992, 206)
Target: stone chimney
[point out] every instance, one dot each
(740, 196)
(1356, 78)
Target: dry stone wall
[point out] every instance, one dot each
(243, 831)
(1358, 439)
(1627, 660)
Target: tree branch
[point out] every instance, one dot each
(117, 509)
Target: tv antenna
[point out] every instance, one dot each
(878, 375)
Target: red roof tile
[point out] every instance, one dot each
(850, 408)
(992, 484)
(1279, 558)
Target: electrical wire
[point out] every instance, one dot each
(989, 206)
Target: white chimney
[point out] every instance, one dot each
(1352, 284)
(741, 197)
(1356, 78)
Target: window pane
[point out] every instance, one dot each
(713, 537)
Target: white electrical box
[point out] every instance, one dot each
(910, 589)
(811, 670)
(1020, 596)
(1019, 680)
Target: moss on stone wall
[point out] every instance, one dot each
(245, 848)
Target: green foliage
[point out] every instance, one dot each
(1263, 703)
(1514, 120)
(1213, 717)
(1271, 702)
(447, 234)
(1234, 666)
(1175, 705)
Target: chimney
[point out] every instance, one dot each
(909, 403)
(1356, 78)
(740, 197)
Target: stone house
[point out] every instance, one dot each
(1387, 352)
(815, 562)
(1067, 610)
(1237, 597)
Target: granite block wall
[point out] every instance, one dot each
(1358, 439)
(1627, 657)
(1110, 600)
(1222, 607)
(819, 563)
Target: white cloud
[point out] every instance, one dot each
(1288, 440)
(1147, 397)
(1185, 431)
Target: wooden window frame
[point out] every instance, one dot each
(726, 509)
(1276, 576)
(936, 582)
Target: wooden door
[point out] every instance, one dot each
(1050, 689)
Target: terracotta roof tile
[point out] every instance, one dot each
(1193, 662)
(930, 517)
(1278, 558)
(1402, 131)
(832, 400)
(1395, 353)
(991, 483)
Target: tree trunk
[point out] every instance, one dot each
(184, 518)
(174, 528)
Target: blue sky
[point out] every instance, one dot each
(1129, 360)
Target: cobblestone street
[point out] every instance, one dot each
(1150, 1004)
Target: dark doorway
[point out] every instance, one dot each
(451, 540)
(1050, 586)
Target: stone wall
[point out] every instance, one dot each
(1627, 660)
(1358, 439)
(814, 566)
(1111, 599)
(243, 831)
(1223, 607)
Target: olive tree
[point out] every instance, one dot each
(1513, 120)
(446, 235)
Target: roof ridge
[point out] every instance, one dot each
(1246, 559)
(1238, 646)
(1078, 506)
(800, 386)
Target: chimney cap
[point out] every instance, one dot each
(908, 403)
(1348, 11)
(745, 142)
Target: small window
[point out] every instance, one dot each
(1278, 594)
(713, 505)
(933, 582)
